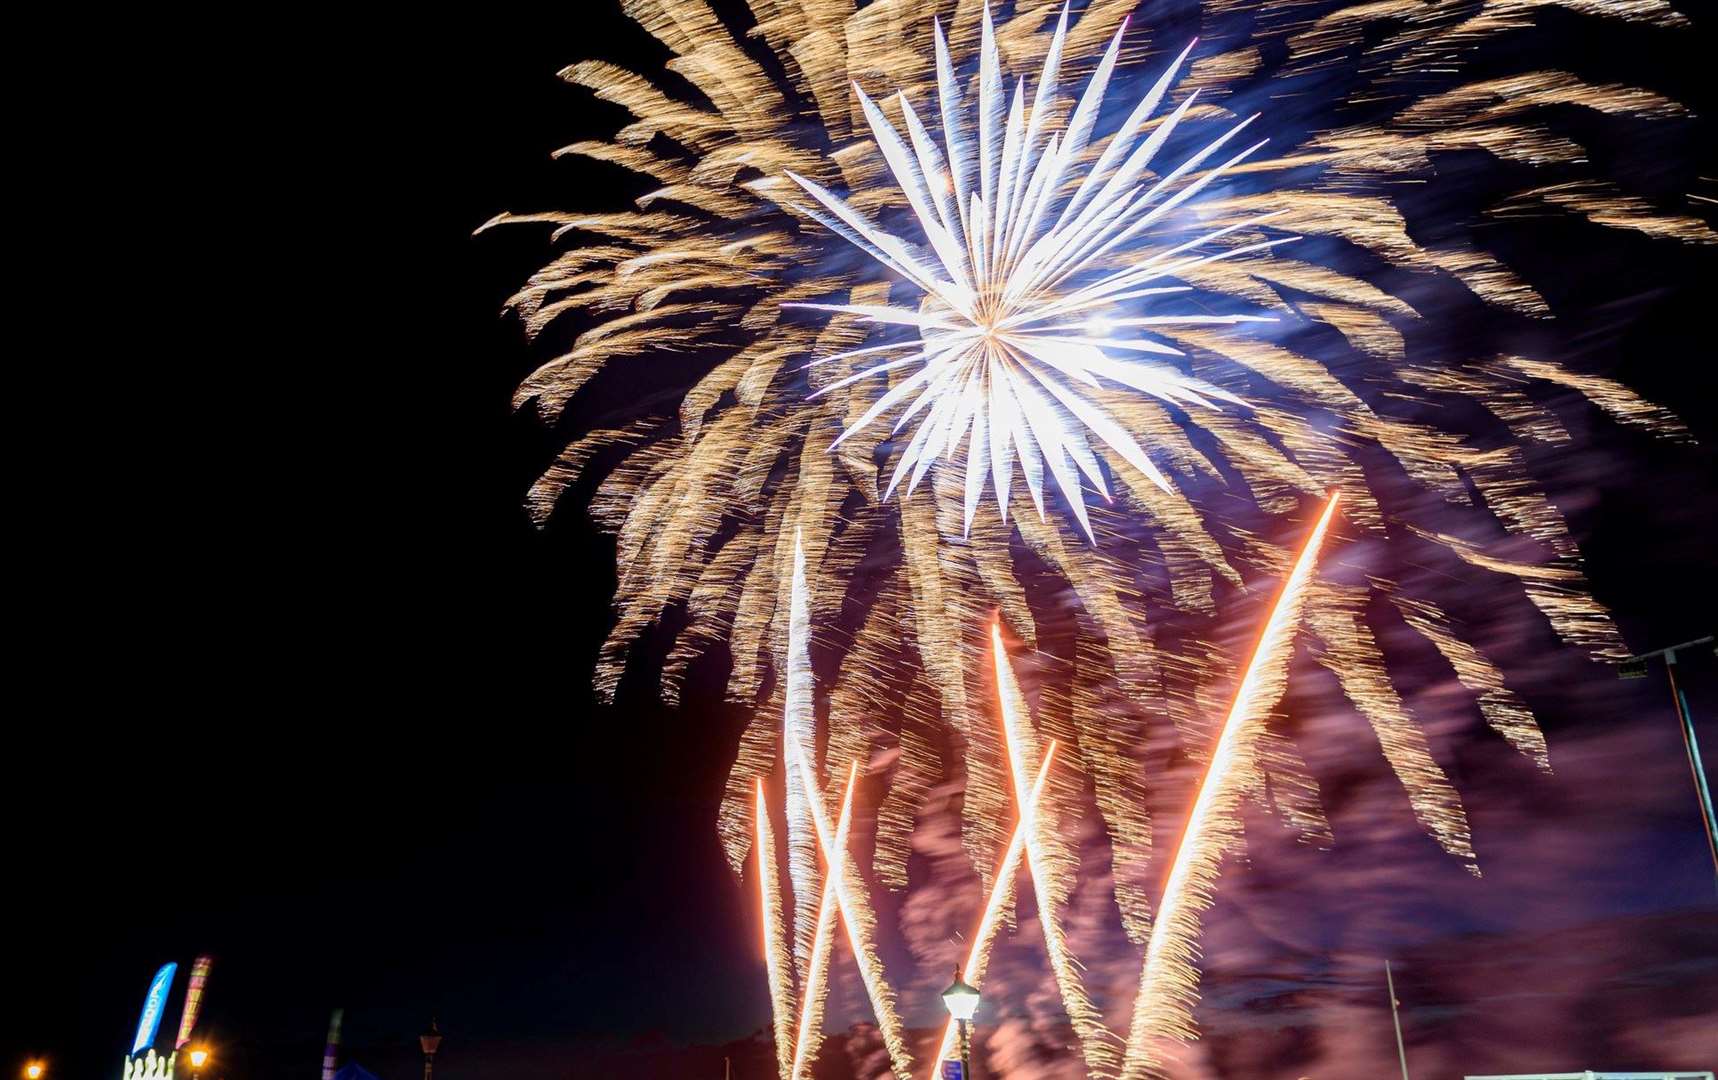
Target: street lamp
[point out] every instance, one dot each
(34, 1070)
(961, 1001)
(1635, 668)
(430, 1041)
(199, 1057)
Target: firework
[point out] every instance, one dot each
(776, 963)
(810, 1029)
(1169, 983)
(798, 723)
(1049, 862)
(860, 923)
(1010, 325)
(1169, 979)
(706, 502)
(841, 879)
(894, 281)
(1001, 897)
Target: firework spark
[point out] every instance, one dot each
(1169, 982)
(1014, 319)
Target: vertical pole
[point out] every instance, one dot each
(1692, 745)
(429, 1063)
(965, 1053)
(1396, 1018)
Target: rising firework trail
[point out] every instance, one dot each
(840, 877)
(1169, 983)
(799, 721)
(1050, 863)
(810, 1028)
(777, 965)
(997, 905)
(859, 921)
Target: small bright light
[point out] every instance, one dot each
(1099, 327)
(961, 999)
(34, 1070)
(198, 1057)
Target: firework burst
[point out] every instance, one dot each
(1013, 319)
(978, 289)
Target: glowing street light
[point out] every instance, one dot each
(430, 1041)
(961, 1001)
(198, 1057)
(35, 1070)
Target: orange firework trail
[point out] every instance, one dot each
(817, 972)
(775, 946)
(1169, 983)
(856, 916)
(1001, 890)
(1051, 865)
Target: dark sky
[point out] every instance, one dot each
(295, 681)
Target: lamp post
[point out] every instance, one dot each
(961, 1001)
(430, 1041)
(34, 1071)
(199, 1057)
(1635, 668)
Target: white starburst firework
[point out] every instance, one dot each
(1029, 294)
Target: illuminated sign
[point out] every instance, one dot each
(153, 1006)
(193, 1001)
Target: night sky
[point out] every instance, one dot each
(297, 683)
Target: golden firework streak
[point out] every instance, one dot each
(1001, 889)
(1050, 864)
(817, 972)
(857, 917)
(799, 724)
(803, 793)
(775, 945)
(1169, 982)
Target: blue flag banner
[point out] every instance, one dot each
(953, 1070)
(153, 1006)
